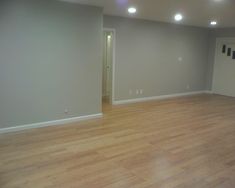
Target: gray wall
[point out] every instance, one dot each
(147, 57)
(215, 33)
(50, 60)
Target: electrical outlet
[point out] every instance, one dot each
(137, 92)
(141, 91)
(66, 111)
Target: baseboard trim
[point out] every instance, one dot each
(50, 123)
(161, 97)
(209, 92)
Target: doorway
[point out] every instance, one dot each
(108, 66)
(224, 68)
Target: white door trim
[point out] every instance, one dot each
(113, 62)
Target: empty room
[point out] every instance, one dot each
(117, 94)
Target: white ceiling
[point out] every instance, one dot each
(195, 12)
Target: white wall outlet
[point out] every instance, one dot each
(137, 92)
(141, 91)
(66, 111)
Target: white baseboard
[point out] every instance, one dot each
(161, 97)
(209, 92)
(93, 116)
(50, 123)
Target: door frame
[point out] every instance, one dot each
(217, 42)
(113, 62)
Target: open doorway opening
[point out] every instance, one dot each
(108, 66)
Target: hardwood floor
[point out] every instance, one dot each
(178, 143)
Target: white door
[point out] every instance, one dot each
(224, 68)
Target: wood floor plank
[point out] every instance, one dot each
(174, 143)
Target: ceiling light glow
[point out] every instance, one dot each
(178, 17)
(132, 10)
(213, 23)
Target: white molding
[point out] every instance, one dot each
(209, 92)
(114, 61)
(225, 39)
(161, 97)
(50, 123)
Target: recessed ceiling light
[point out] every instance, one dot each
(109, 36)
(213, 23)
(178, 17)
(132, 10)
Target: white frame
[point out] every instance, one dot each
(113, 62)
